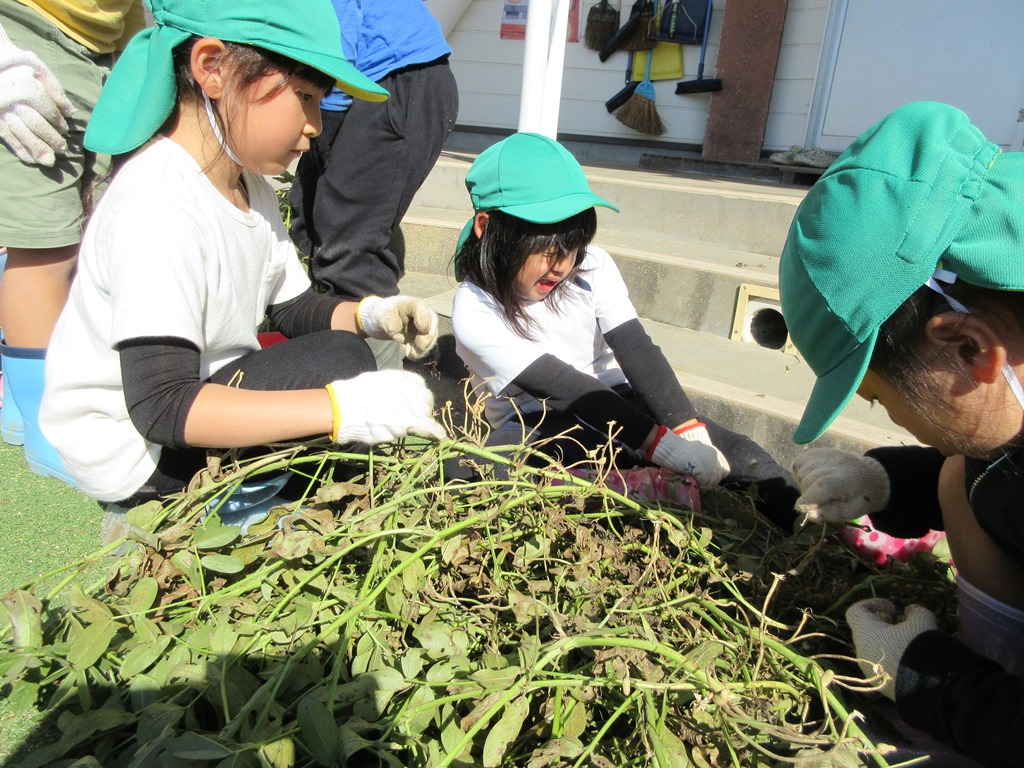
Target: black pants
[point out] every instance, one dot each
(749, 463)
(357, 181)
(306, 362)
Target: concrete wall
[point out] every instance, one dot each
(489, 72)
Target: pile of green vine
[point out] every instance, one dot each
(393, 616)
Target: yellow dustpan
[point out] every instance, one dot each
(666, 63)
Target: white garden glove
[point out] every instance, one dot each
(33, 106)
(696, 456)
(381, 406)
(404, 319)
(836, 486)
(880, 637)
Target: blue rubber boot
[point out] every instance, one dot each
(250, 502)
(12, 426)
(24, 379)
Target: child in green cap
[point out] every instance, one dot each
(156, 355)
(902, 281)
(544, 324)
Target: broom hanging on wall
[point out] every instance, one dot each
(640, 112)
(638, 40)
(602, 24)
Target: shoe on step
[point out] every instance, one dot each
(784, 158)
(816, 157)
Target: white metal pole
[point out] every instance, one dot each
(535, 60)
(554, 69)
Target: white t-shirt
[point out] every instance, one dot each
(164, 254)
(597, 302)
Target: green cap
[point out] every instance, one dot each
(531, 177)
(140, 92)
(920, 187)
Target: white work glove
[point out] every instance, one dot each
(381, 406)
(404, 319)
(33, 106)
(836, 486)
(880, 638)
(690, 453)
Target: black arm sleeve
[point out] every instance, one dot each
(913, 507)
(585, 397)
(649, 373)
(308, 312)
(161, 381)
(961, 698)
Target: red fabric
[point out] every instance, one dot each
(270, 338)
(657, 439)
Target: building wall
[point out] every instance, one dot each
(489, 72)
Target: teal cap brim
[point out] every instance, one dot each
(141, 91)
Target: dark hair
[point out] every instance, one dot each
(901, 355)
(250, 64)
(493, 261)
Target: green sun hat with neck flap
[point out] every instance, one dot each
(920, 190)
(531, 177)
(140, 93)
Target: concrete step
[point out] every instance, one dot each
(731, 213)
(680, 282)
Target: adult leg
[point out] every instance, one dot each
(41, 209)
(308, 173)
(379, 159)
(33, 291)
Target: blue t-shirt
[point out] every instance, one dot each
(380, 36)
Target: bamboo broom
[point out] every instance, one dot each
(602, 24)
(640, 112)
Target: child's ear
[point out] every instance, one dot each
(972, 340)
(207, 62)
(480, 224)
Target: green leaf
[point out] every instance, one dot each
(24, 612)
(382, 686)
(23, 696)
(670, 751)
(222, 563)
(90, 643)
(418, 715)
(246, 759)
(142, 656)
(213, 534)
(319, 731)
(505, 731)
(195, 746)
(278, 754)
(351, 742)
(158, 719)
(555, 752)
(144, 595)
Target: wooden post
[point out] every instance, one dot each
(747, 56)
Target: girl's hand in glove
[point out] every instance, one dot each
(381, 406)
(33, 106)
(404, 319)
(836, 486)
(880, 638)
(689, 457)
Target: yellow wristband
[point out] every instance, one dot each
(335, 413)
